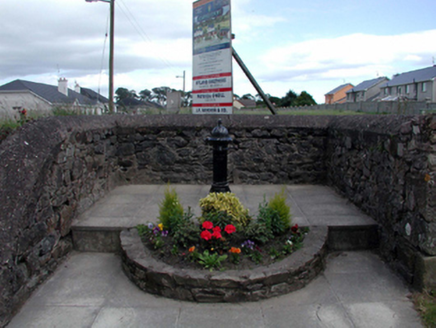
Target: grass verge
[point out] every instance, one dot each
(425, 304)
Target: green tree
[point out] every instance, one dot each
(145, 94)
(305, 99)
(123, 93)
(289, 99)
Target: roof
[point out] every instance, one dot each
(133, 102)
(93, 95)
(365, 85)
(338, 88)
(420, 75)
(48, 92)
(247, 102)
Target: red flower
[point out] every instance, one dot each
(216, 234)
(216, 229)
(206, 235)
(294, 229)
(230, 228)
(207, 225)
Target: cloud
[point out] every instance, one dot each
(348, 56)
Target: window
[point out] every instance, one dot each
(386, 91)
(407, 89)
(424, 87)
(399, 90)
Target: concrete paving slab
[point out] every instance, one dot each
(55, 317)
(383, 314)
(133, 317)
(303, 316)
(340, 297)
(203, 315)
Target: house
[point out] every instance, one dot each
(337, 95)
(416, 85)
(43, 98)
(243, 103)
(367, 90)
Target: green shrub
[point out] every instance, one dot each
(278, 203)
(185, 232)
(170, 210)
(228, 203)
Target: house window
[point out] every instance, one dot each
(399, 90)
(386, 91)
(407, 89)
(424, 87)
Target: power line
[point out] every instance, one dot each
(142, 33)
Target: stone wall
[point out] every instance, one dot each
(55, 168)
(386, 166)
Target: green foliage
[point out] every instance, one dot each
(170, 209)
(143, 230)
(274, 253)
(259, 232)
(210, 261)
(278, 204)
(228, 203)
(425, 303)
(267, 225)
(184, 231)
(256, 256)
(218, 218)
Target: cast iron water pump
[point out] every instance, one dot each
(219, 139)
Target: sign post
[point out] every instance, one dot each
(212, 85)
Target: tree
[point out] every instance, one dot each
(289, 99)
(145, 95)
(305, 99)
(248, 96)
(123, 93)
(187, 99)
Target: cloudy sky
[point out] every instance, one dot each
(287, 44)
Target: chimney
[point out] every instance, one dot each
(63, 86)
(77, 87)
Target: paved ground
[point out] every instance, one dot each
(90, 290)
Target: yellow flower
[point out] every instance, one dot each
(427, 177)
(160, 225)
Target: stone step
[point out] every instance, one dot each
(340, 238)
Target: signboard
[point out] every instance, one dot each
(212, 85)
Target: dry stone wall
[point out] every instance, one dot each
(386, 165)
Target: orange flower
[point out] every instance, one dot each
(191, 249)
(235, 250)
(427, 177)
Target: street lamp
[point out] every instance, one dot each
(111, 52)
(183, 77)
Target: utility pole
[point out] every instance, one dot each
(111, 52)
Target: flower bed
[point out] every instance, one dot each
(247, 259)
(157, 277)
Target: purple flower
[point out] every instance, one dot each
(150, 226)
(164, 233)
(248, 244)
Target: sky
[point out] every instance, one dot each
(311, 46)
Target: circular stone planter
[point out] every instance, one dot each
(290, 274)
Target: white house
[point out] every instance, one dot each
(43, 98)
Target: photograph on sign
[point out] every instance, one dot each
(212, 89)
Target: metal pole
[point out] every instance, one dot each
(253, 81)
(111, 58)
